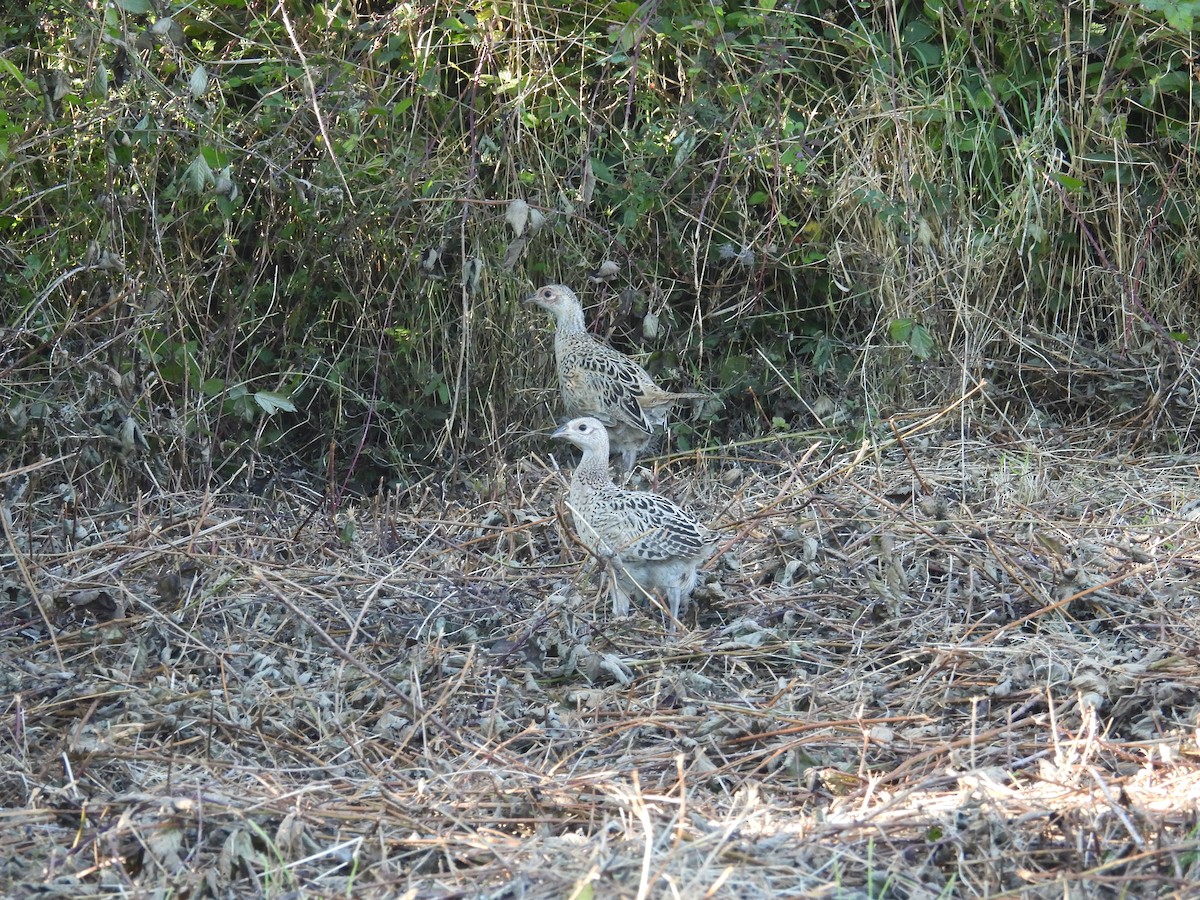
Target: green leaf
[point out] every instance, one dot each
(271, 402)
(733, 367)
(1181, 19)
(921, 342)
(900, 330)
(7, 67)
(910, 331)
(1172, 82)
(824, 354)
(795, 157)
(601, 171)
(198, 174)
(757, 198)
(627, 37)
(214, 157)
(171, 373)
(1074, 185)
(928, 54)
(684, 143)
(137, 7)
(1180, 14)
(916, 30)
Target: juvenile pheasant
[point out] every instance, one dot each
(597, 381)
(650, 543)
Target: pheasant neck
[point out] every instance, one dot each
(570, 320)
(593, 468)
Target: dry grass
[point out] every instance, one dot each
(957, 666)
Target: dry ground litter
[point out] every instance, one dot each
(963, 665)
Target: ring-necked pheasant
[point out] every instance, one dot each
(650, 543)
(598, 381)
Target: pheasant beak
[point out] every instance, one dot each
(560, 432)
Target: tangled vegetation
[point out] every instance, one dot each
(239, 232)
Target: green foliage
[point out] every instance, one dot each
(915, 335)
(237, 205)
(1179, 15)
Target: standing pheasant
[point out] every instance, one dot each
(651, 544)
(597, 381)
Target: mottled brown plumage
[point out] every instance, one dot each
(651, 544)
(597, 381)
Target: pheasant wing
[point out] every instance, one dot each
(658, 529)
(604, 381)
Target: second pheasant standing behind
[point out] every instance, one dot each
(597, 381)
